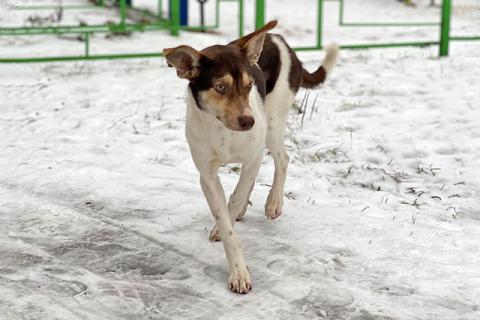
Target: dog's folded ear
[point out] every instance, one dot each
(252, 44)
(185, 59)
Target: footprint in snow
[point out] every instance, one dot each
(216, 273)
(147, 265)
(328, 302)
(67, 288)
(90, 205)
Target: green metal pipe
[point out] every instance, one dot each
(259, 13)
(217, 13)
(390, 24)
(175, 18)
(160, 54)
(375, 45)
(390, 45)
(445, 28)
(52, 30)
(342, 22)
(53, 7)
(77, 58)
(123, 14)
(87, 44)
(174, 25)
(464, 38)
(319, 23)
(240, 18)
(197, 28)
(340, 13)
(114, 28)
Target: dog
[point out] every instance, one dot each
(238, 98)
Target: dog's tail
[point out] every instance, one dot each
(311, 80)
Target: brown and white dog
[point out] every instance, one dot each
(237, 103)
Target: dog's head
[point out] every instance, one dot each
(221, 76)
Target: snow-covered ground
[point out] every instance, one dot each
(102, 217)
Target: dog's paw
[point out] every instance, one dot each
(214, 234)
(273, 207)
(239, 280)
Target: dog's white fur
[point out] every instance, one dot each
(277, 104)
(212, 144)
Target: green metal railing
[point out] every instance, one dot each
(343, 23)
(172, 23)
(444, 24)
(122, 26)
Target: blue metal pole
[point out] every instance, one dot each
(183, 12)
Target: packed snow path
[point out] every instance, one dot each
(102, 216)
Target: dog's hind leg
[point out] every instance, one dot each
(277, 105)
(275, 143)
(238, 202)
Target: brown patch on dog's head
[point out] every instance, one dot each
(221, 77)
(224, 85)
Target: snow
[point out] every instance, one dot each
(102, 217)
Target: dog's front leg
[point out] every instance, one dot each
(238, 202)
(239, 279)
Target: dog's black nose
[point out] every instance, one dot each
(246, 122)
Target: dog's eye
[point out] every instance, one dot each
(220, 88)
(250, 85)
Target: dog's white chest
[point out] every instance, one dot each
(230, 146)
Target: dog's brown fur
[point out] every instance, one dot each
(249, 86)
